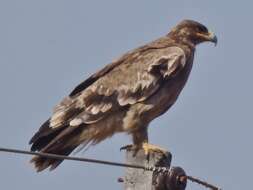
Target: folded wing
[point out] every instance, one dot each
(121, 84)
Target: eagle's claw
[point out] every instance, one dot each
(146, 147)
(127, 147)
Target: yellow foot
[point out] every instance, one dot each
(148, 149)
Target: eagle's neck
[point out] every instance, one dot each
(188, 43)
(180, 39)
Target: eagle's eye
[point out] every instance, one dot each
(202, 29)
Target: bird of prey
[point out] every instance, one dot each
(125, 96)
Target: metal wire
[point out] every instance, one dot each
(147, 168)
(61, 157)
(205, 184)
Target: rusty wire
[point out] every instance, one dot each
(149, 168)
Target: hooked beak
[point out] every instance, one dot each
(212, 38)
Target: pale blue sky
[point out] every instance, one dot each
(47, 47)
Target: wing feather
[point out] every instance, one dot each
(133, 80)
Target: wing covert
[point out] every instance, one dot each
(133, 80)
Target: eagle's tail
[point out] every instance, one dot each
(42, 163)
(62, 140)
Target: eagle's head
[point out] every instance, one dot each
(193, 32)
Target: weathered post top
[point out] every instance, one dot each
(147, 180)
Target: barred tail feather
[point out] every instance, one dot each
(41, 163)
(62, 141)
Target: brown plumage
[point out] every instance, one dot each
(125, 96)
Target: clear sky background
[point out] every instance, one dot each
(47, 47)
